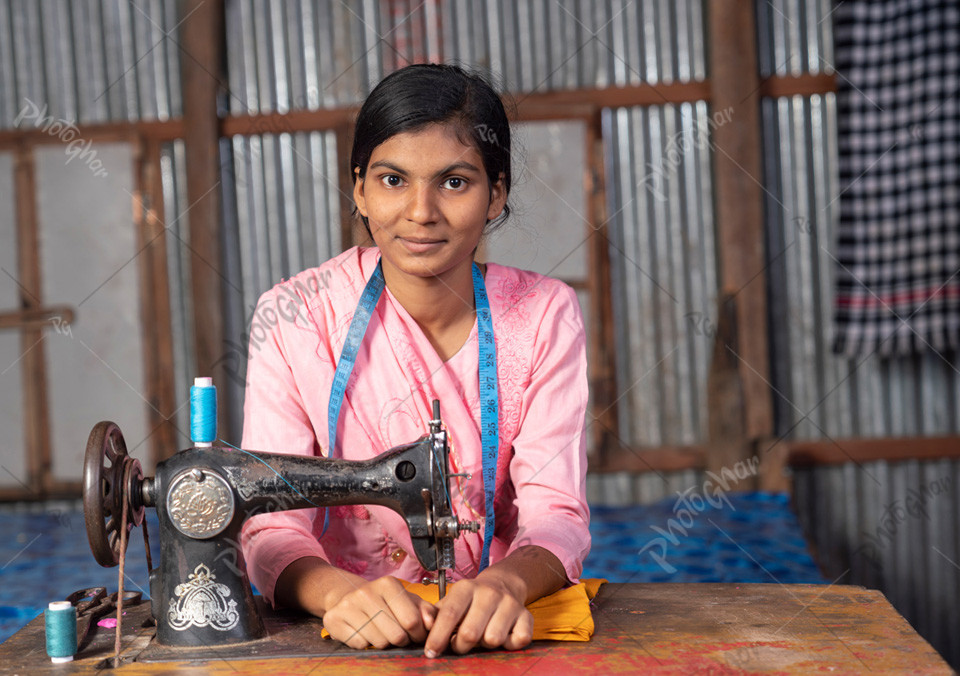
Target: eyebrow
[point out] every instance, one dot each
(456, 166)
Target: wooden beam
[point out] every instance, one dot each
(295, 121)
(775, 476)
(202, 33)
(33, 366)
(807, 84)
(563, 104)
(738, 180)
(842, 451)
(37, 318)
(796, 453)
(656, 94)
(660, 459)
(159, 130)
(55, 490)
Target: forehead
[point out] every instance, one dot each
(434, 146)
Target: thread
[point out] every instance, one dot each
(203, 412)
(60, 623)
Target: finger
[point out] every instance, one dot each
(449, 612)
(522, 633)
(364, 615)
(353, 630)
(474, 624)
(389, 627)
(407, 609)
(501, 623)
(428, 614)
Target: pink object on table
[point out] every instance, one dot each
(108, 623)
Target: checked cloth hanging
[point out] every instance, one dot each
(898, 107)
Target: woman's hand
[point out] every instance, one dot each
(489, 610)
(355, 611)
(483, 612)
(380, 613)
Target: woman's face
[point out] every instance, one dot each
(427, 198)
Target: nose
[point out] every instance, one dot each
(421, 206)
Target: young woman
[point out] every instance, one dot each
(431, 165)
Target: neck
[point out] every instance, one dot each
(437, 304)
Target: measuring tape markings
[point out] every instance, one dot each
(489, 408)
(487, 376)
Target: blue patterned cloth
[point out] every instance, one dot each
(749, 537)
(44, 556)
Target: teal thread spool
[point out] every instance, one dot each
(60, 621)
(203, 412)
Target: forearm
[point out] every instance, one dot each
(528, 573)
(313, 585)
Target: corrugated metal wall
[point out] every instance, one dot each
(287, 56)
(281, 206)
(891, 526)
(89, 61)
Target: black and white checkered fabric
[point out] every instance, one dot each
(898, 77)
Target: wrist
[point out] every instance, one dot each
(507, 580)
(314, 585)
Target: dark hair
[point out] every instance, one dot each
(415, 96)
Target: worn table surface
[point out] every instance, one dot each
(653, 628)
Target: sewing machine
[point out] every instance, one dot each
(201, 595)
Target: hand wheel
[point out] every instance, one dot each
(110, 478)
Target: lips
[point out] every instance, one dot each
(420, 245)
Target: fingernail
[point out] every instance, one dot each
(429, 653)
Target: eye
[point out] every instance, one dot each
(391, 180)
(454, 183)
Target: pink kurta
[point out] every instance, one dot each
(297, 336)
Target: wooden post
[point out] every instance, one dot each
(738, 178)
(351, 229)
(154, 300)
(602, 364)
(33, 364)
(202, 49)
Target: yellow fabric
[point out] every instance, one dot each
(562, 616)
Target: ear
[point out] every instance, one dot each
(498, 199)
(358, 197)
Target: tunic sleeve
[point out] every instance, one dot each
(548, 469)
(275, 419)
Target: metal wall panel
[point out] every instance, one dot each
(89, 61)
(284, 56)
(891, 526)
(664, 269)
(300, 55)
(177, 234)
(794, 36)
(94, 367)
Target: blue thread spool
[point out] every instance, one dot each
(203, 412)
(60, 621)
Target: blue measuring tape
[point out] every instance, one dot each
(489, 397)
(489, 408)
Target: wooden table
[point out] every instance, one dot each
(649, 628)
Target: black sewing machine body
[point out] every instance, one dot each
(201, 595)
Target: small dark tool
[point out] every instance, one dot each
(92, 604)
